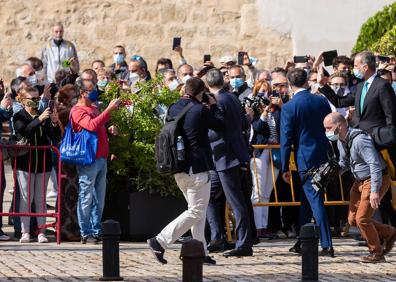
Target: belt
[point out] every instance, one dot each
(384, 171)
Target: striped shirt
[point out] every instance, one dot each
(270, 119)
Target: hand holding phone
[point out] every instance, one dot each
(176, 42)
(51, 105)
(300, 59)
(328, 57)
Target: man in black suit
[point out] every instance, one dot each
(230, 153)
(374, 99)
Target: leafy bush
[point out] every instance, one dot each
(138, 124)
(387, 44)
(375, 28)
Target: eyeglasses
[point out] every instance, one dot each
(280, 85)
(338, 85)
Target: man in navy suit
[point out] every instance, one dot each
(230, 154)
(301, 126)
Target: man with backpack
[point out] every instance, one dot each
(358, 153)
(188, 156)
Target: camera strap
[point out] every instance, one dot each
(350, 141)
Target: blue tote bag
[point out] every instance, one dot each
(78, 148)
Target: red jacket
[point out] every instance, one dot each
(89, 118)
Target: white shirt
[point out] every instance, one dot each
(370, 80)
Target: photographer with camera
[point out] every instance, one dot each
(301, 123)
(358, 153)
(265, 130)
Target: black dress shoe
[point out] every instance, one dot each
(296, 248)
(256, 241)
(157, 250)
(209, 260)
(328, 252)
(216, 246)
(245, 252)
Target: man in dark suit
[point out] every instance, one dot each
(301, 126)
(230, 153)
(374, 99)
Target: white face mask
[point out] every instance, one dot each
(133, 78)
(173, 84)
(32, 79)
(184, 79)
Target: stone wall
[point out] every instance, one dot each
(144, 27)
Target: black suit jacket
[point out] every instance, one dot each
(196, 123)
(228, 145)
(379, 109)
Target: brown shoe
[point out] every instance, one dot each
(373, 258)
(389, 243)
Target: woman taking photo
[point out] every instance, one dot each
(38, 128)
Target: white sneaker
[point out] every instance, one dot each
(52, 194)
(4, 237)
(25, 238)
(41, 238)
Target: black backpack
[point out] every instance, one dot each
(166, 145)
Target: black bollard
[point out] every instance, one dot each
(193, 254)
(309, 235)
(111, 232)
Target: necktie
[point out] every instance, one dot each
(364, 92)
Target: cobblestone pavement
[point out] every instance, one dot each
(271, 262)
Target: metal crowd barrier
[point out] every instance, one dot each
(230, 221)
(292, 167)
(8, 152)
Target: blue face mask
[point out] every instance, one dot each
(93, 96)
(236, 82)
(357, 73)
(332, 136)
(102, 83)
(118, 58)
(394, 86)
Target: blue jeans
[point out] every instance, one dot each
(91, 196)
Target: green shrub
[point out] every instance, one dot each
(137, 122)
(387, 44)
(375, 28)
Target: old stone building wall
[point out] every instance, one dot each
(144, 27)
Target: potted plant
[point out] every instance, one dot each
(138, 196)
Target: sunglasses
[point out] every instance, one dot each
(35, 99)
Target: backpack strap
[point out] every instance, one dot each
(350, 141)
(181, 114)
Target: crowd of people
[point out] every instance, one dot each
(233, 106)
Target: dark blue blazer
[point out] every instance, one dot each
(229, 146)
(302, 126)
(197, 121)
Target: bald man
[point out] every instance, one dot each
(358, 153)
(56, 52)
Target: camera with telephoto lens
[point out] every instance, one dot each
(256, 102)
(322, 175)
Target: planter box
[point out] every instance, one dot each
(141, 215)
(150, 213)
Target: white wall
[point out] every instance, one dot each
(319, 25)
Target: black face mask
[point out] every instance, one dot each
(58, 42)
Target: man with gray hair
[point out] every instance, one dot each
(374, 101)
(58, 54)
(358, 153)
(230, 154)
